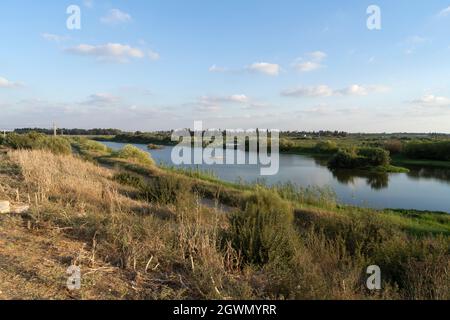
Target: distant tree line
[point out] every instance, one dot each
(315, 134)
(72, 132)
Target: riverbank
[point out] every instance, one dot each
(417, 189)
(147, 228)
(399, 163)
(208, 181)
(402, 161)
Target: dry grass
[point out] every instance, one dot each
(170, 250)
(177, 250)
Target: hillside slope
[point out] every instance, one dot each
(137, 231)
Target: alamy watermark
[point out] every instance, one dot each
(374, 280)
(374, 19)
(217, 147)
(74, 278)
(73, 22)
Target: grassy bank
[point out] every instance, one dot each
(400, 160)
(149, 228)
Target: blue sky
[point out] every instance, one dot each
(298, 65)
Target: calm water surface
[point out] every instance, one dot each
(421, 189)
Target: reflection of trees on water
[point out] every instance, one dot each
(375, 181)
(323, 162)
(380, 181)
(430, 173)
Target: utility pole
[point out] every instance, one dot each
(54, 129)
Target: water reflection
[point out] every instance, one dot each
(420, 189)
(379, 181)
(375, 181)
(442, 175)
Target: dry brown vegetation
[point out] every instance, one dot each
(136, 243)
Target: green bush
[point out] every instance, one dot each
(428, 150)
(263, 232)
(313, 195)
(374, 156)
(359, 158)
(286, 145)
(133, 153)
(326, 146)
(130, 179)
(419, 267)
(344, 159)
(393, 146)
(91, 145)
(168, 189)
(37, 141)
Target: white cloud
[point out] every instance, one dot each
(432, 101)
(5, 83)
(326, 91)
(215, 68)
(444, 12)
(317, 55)
(153, 55)
(314, 62)
(317, 91)
(115, 16)
(216, 103)
(359, 90)
(112, 52)
(270, 69)
(101, 99)
(241, 98)
(213, 100)
(208, 108)
(54, 37)
(307, 66)
(266, 68)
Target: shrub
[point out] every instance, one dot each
(393, 146)
(168, 189)
(418, 266)
(133, 153)
(57, 145)
(38, 141)
(374, 156)
(359, 158)
(312, 195)
(326, 146)
(152, 146)
(263, 232)
(129, 179)
(91, 145)
(286, 144)
(344, 159)
(428, 150)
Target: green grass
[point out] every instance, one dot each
(276, 240)
(400, 160)
(419, 222)
(235, 194)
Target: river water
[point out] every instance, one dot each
(421, 189)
